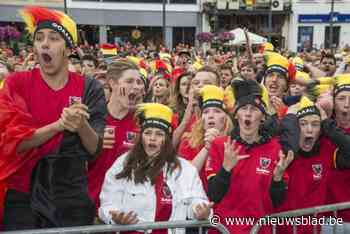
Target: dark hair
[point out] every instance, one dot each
(250, 64)
(328, 56)
(140, 167)
(226, 66)
(90, 57)
(211, 70)
(178, 103)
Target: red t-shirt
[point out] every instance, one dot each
(45, 105)
(125, 132)
(187, 152)
(307, 182)
(248, 195)
(164, 203)
(339, 188)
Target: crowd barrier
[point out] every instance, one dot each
(302, 212)
(201, 225)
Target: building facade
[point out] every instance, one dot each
(124, 20)
(310, 24)
(264, 17)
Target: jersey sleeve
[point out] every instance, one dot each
(215, 158)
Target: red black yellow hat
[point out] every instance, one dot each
(342, 83)
(299, 63)
(155, 115)
(278, 63)
(212, 96)
(37, 18)
(306, 107)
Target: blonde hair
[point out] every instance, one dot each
(196, 136)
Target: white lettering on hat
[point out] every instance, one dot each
(63, 31)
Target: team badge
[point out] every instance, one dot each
(264, 164)
(74, 99)
(317, 170)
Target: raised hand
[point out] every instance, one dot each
(231, 155)
(282, 165)
(277, 103)
(209, 136)
(322, 111)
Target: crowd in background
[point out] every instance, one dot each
(240, 132)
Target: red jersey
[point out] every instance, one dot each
(307, 182)
(248, 195)
(339, 188)
(125, 133)
(187, 152)
(45, 105)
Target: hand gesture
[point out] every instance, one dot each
(325, 103)
(209, 136)
(124, 218)
(202, 211)
(109, 137)
(282, 164)
(74, 117)
(190, 107)
(322, 111)
(246, 34)
(231, 155)
(277, 103)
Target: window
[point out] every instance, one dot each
(185, 35)
(336, 33)
(305, 37)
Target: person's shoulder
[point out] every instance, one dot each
(20, 76)
(119, 163)
(186, 166)
(275, 140)
(19, 81)
(91, 80)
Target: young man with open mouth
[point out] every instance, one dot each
(127, 89)
(338, 186)
(52, 122)
(318, 146)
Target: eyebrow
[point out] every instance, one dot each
(51, 32)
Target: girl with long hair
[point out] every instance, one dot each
(212, 123)
(181, 93)
(150, 183)
(160, 89)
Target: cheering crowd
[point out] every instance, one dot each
(128, 134)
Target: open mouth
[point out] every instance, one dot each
(211, 124)
(273, 88)
(152, 147)
(132, 97)
(46, 57)
(247, 122)
(345, 114)
(309, 141)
